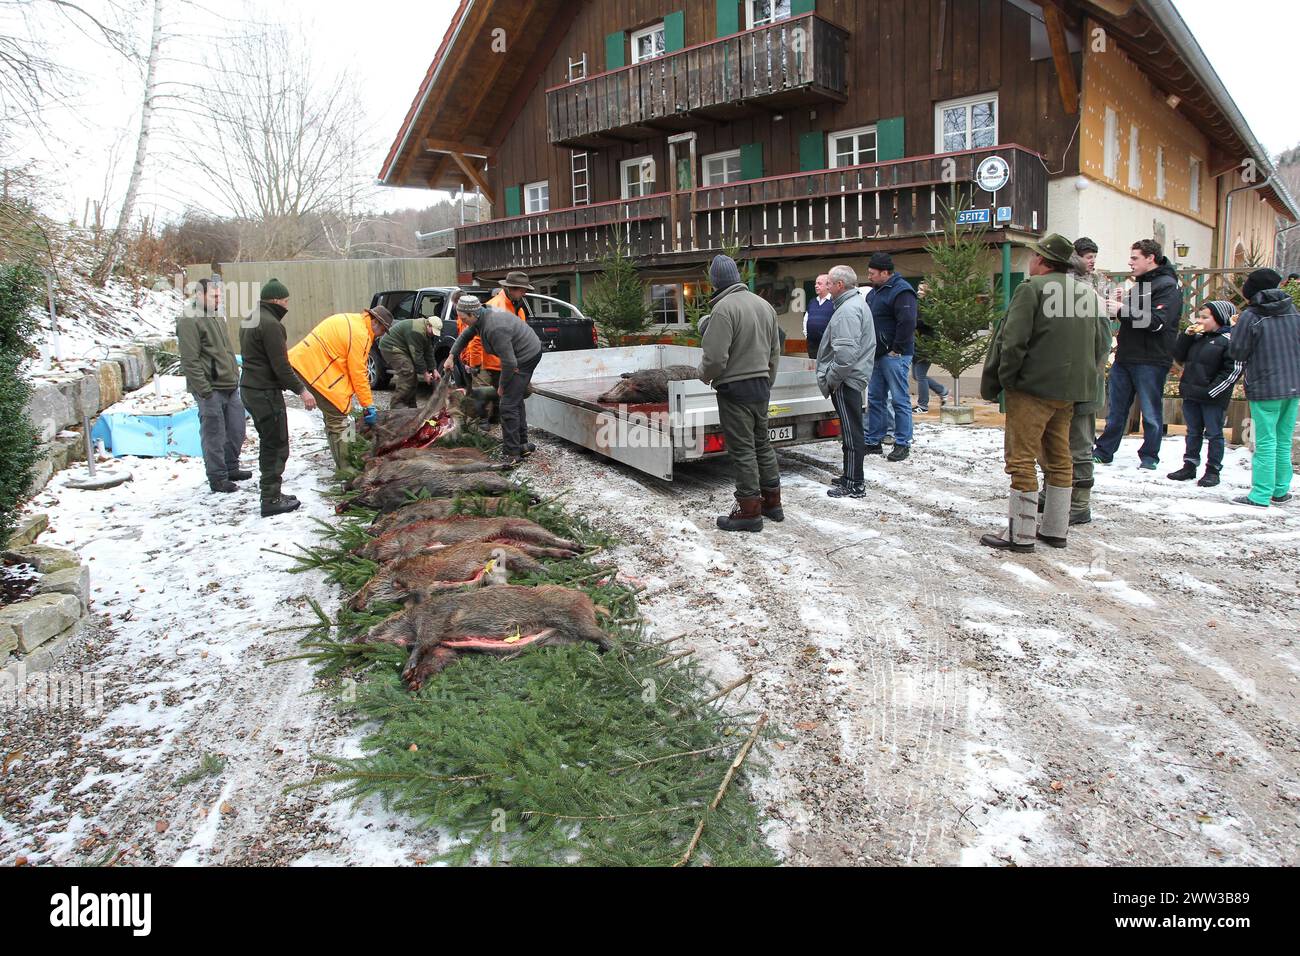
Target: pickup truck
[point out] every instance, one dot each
(560, 325)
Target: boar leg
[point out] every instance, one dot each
(427, 659)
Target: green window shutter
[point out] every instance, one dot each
(614, 54)
(728, 17)
(802, 6)
(751, 161)
(889, 139)
(512, 201)
(674, 31)
(812, 151)
(562, 290)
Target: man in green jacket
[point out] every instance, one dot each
(742, 346)
(212, 376)
(1044, 357)
(267, 376)
(407, 349)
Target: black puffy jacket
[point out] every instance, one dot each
(1209, 372)
(1149, 320)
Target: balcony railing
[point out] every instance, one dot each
(794, 61)
(809, 213)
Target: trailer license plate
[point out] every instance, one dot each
(780, 434)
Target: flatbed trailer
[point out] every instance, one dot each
(658, 438)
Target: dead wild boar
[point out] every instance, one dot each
(649, 386)
(426, 536)
(433, 484)
(499, 620)
(383, 471)
(438, 419)
(472, 562)
(431, 509)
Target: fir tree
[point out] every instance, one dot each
(19, 291)
(958, 306)
(617, 300)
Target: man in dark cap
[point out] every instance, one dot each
(1267, 339)
(1044, 357)
(893, 311)
(742, 347)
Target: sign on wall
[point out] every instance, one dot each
(973, 217)
(993, 174)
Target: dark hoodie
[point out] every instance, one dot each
(1209, 372)
(1267, 339)
(1149, 319)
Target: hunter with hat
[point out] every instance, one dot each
(331, 360)
(1044, 356)
(267, 376)
(486, 369)
(517, 351)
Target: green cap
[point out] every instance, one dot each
(275, 289)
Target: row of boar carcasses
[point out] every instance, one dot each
(452, 571)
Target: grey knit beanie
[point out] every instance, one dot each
(723, 273)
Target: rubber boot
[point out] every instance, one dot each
(1081, 506)
(772, 504)
(746, 516)
(1022, 516)
(1056, 516)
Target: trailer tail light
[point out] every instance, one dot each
(827, 429)
(714, 444)
(595, 340)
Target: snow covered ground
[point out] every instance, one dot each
(1130, 700)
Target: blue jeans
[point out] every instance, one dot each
(1204, 420)
(888, 387)
(1147, 384)
(925, 384)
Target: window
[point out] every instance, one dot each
(1134, 158)
(853, 147)
(637, 177)
(1160, 172)
(1110, 168)
(541, 307)
(970, 123)
(722, 168)
(648, 43)
(537, 197)
(666, 305)
(1194, 190)
(759, 13)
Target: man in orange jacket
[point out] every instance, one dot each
(485, 368)
(331, 361)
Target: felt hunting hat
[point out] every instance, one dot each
(381, 315)
(517, 280)
(1054, 248)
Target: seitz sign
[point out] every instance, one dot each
(973, 217)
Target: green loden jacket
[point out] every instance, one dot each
(1052, 344)
(411, 338)
(207, 359)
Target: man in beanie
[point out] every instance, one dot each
(1205, 386)
(331, 361)
(267, 376)
(893, 310)
(1267, 340)
(844, 361)
(212, 376)
(1044, 357)
(742, 347)
(1149, 317)
(517, 349)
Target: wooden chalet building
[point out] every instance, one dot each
(810, 132)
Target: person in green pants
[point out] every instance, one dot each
(1267, 339)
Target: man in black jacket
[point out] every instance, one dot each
(1209, 374)
(1149, 317)
(267, 376)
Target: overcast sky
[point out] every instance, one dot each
(389, 44)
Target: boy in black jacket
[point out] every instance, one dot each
(1209, 374)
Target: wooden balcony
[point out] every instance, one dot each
(896, 204)
(796, 61)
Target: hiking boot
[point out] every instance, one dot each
(279, 506)
(1282, 500)
(839, 482)
(1185, 473)
(240, 475)
(857, 489)
(1246, 500)
(529, 448)
(746, 516)
(223, 487)
(1210, 479)
(1050, 541)
(875, 450)
(899, 453)
(772, 509)
(1081, 517)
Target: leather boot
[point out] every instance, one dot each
(746, 516)
(772, 504)
(1022, 516)
(1056, 516)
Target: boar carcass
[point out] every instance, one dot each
(649, 386)
(438, 420)
(426, 536)
(499, 620)
(383, 471)
(432, 484)
(473, 562)
(432, 509)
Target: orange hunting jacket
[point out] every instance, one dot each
(332, 359)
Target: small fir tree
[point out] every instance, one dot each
(617, 301)
(19, 294)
